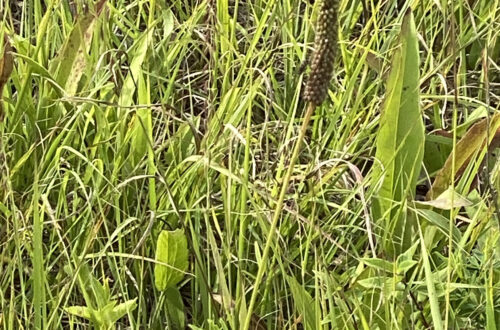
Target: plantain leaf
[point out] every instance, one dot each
(140, 130)
(171, 249)
(404, 266)
(408, 254)
(400, 140)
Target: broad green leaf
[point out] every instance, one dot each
(138, 56)
(168, 22)
(100, 291)
(89, 286)
(182, 142)
(42, 71)
(23, 45)
(5, 210)
(400, 140)
(479, 214)
(171, 250)
(95, 316)
(437, 148)
(105, 317)
(141, 130)
(471, 144)
(304, 304)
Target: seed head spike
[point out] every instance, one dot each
(325, 46)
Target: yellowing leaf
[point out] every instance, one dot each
(472, 143)
(448, 200)
(69, 65)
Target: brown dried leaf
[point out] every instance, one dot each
(6, 65)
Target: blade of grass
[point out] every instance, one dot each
(429, 280)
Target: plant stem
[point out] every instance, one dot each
(277, 213)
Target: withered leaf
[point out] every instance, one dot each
(6, 65)
(469, 145)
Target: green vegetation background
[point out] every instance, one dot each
(143, 146)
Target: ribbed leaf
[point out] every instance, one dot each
(172, 251)
(400, 140)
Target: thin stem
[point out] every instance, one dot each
(277, 213)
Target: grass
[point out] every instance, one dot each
(126, 118)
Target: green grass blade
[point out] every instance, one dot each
(429, 280)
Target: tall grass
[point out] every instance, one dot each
(126, 118)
